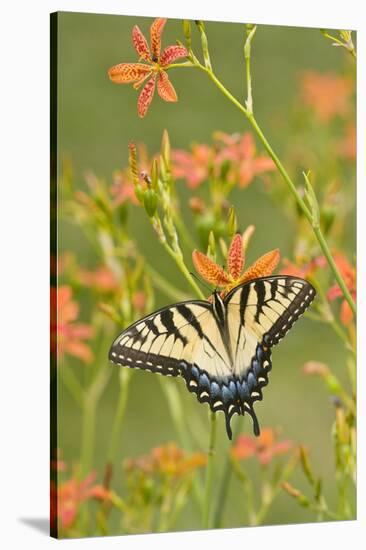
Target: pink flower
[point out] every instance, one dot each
(193, 166)
(264, 448)
(101, 279)
(241, 151)
(67, 336)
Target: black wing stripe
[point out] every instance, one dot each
(189, 316)
(261, 294)
(166, 317)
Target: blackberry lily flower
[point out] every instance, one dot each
(153, 72)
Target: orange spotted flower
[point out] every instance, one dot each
(151, 73)
(214, 274)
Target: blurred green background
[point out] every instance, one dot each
(96, 121)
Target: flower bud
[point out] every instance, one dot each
(132, 161)
(211, 248)
(165, 148)
(232, 224)
(154, 174)
(150, 202)
(187, 31)
(139, 192)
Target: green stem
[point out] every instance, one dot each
(72, 384)
(225, 481)
(247, 48)
(206, 516)
(165, 286)
(125, 377)
(178, 259)
(87, 441)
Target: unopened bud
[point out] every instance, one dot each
(150, 202)
(232, 223)
(132, 160)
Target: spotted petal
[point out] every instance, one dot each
(156, 31)
(235, 257)
(165, 87)
(146, 96)
(263, 267)
(171, 53)
(125, 73)
(140, 44)
(209, 270)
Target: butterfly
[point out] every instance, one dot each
(222, 348)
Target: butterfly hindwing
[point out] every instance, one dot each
(225, 361)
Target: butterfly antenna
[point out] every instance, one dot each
(200, 281)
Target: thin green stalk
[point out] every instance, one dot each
(247, 51)
(87, 441)
(72, 384)
(206, 516)
(125, 377)
(165, 286)
(178, 259)
(225, 481)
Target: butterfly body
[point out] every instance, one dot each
(222, 348)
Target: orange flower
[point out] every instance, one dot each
(215, 275)
(66, 499)
(66, 335)
(327, 94)
(348, 273)
(153, 71)
(241, 151)
(264, 448)
(167, 460)
(346, 147)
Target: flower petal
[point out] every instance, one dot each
(171, 53)
(145, 97)
(263, 267)
(125, 73)
(165, 87)
(235, 257)
(209, 270)
(140, 44)
(246, 146)
(346, 314)
(156, 30)
(79, 349)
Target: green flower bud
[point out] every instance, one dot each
(154, 174)
(150, 202)
(139, 192)
(232, 224)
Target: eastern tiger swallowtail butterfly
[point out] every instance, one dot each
(221, 349)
